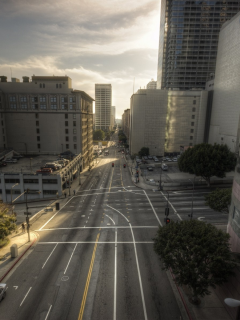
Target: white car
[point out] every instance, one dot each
(3, 291)
(174, 159)
(9, 160)
(164, 167)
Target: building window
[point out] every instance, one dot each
(40, 85)
(60, 86)
(72, 99)
(66, 116)
(35, 99)
(43, 85)
(191, 137)
(74, 123)
(194, 101)
(74, 116)
(43, 106)
(193, 109)
(66, 138)
(56, 85)
(23, 99)
(38, 138)
(74, 139)
(66, 131)
(74, 131)
(75, 146)
(50, 192)
(12, 181)
(192, 130)
(64, 99)
(64, 106)
(53, 106)
(192, 124)
(67, 146)
(190, 144)
(39, 146)
(53, 99)
(12, 99)
(66, 123)
(42, 99)
(23, 106)
(38, 130)
(49, 181)
(37, 123)
(34, 106)
(13, 106)
(36, 115)
(3, 130)
(193, 116)
(2, 123)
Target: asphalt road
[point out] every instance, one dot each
(94, 258)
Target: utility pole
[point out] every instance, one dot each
(167, 220)
(11, 195)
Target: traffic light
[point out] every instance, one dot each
(168, 220)
(112, 164)
(124, 166)
(166, 211)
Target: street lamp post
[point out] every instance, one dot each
(11, 194)
(191, 215)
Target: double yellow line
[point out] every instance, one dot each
(88, 280)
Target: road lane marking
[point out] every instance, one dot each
(73, 228)
(175, 211)
(99, 242)
(70, 259)
(88, 280)
(153, 208)
(115, 280)
(110, 219)
(25, 296)
(48, 312)
(49, 256)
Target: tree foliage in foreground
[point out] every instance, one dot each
(219, 200)
(206, 160)
(7, 222)
(98, 135)
(143, 152)
(198, 254)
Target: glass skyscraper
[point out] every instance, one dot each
(188, 41)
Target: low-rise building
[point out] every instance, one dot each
(45, 116)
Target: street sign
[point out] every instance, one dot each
(27, 213)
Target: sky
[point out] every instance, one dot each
(91, 41)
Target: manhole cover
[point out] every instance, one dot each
(65, 278)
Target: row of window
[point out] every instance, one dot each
(43, 106)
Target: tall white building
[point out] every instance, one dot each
(152, 84)
(103, 104)
(113, 116)
(226, 105)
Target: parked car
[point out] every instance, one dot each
(164, 159)
(150, 168)
(164, 167)
(156, 159)
(3, 164)
(174, 159)
(51, 166)
(10, 160)
(145, 158)
(3, 291)
(150, 157)
(44, 171)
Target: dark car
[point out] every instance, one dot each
(3, 164)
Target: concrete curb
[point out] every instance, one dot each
(19, 258)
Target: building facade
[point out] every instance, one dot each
(188, 41)
(113, 116)
(152, 84)
(126, 123)
(103, 104)
(45, 116)
(226, 98)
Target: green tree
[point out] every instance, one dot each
(98, 135)
(122, 138)
(144, 152)
(7, 223)
(219, 200)
(198, 254)
(206, 160)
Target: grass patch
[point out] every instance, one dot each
(4, 242)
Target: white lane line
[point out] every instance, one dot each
(153, 208)
(70, 258)
(110, 219)
(101, 242)
(139, 275)
(115, 280)
(55, 215)
(25, 296)
(73, 228)
(49, 256)
(118, 212)
(175, 211)
(48, 312)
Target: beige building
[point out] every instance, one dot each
(113, 116)
(45, 116)
(165, 120)
(152, 84)
(126, 123)
(103, 104)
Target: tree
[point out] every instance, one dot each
(98, 135)
(144, 152)
(198, 254)
(7, 224)
(206, 160)
(122, 138)
(219, 200)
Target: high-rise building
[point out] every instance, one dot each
(188, 41)
(126, 122)
(103, 104)
(113, 116)
(152, 84)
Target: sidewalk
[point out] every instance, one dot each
(21, 239)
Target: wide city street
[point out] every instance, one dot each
(94, 258)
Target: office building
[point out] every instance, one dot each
(45, 116)
(103, 104)
(152, 84)
(188, 41)
(113, 116)
(126, 123)
(226, 107)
